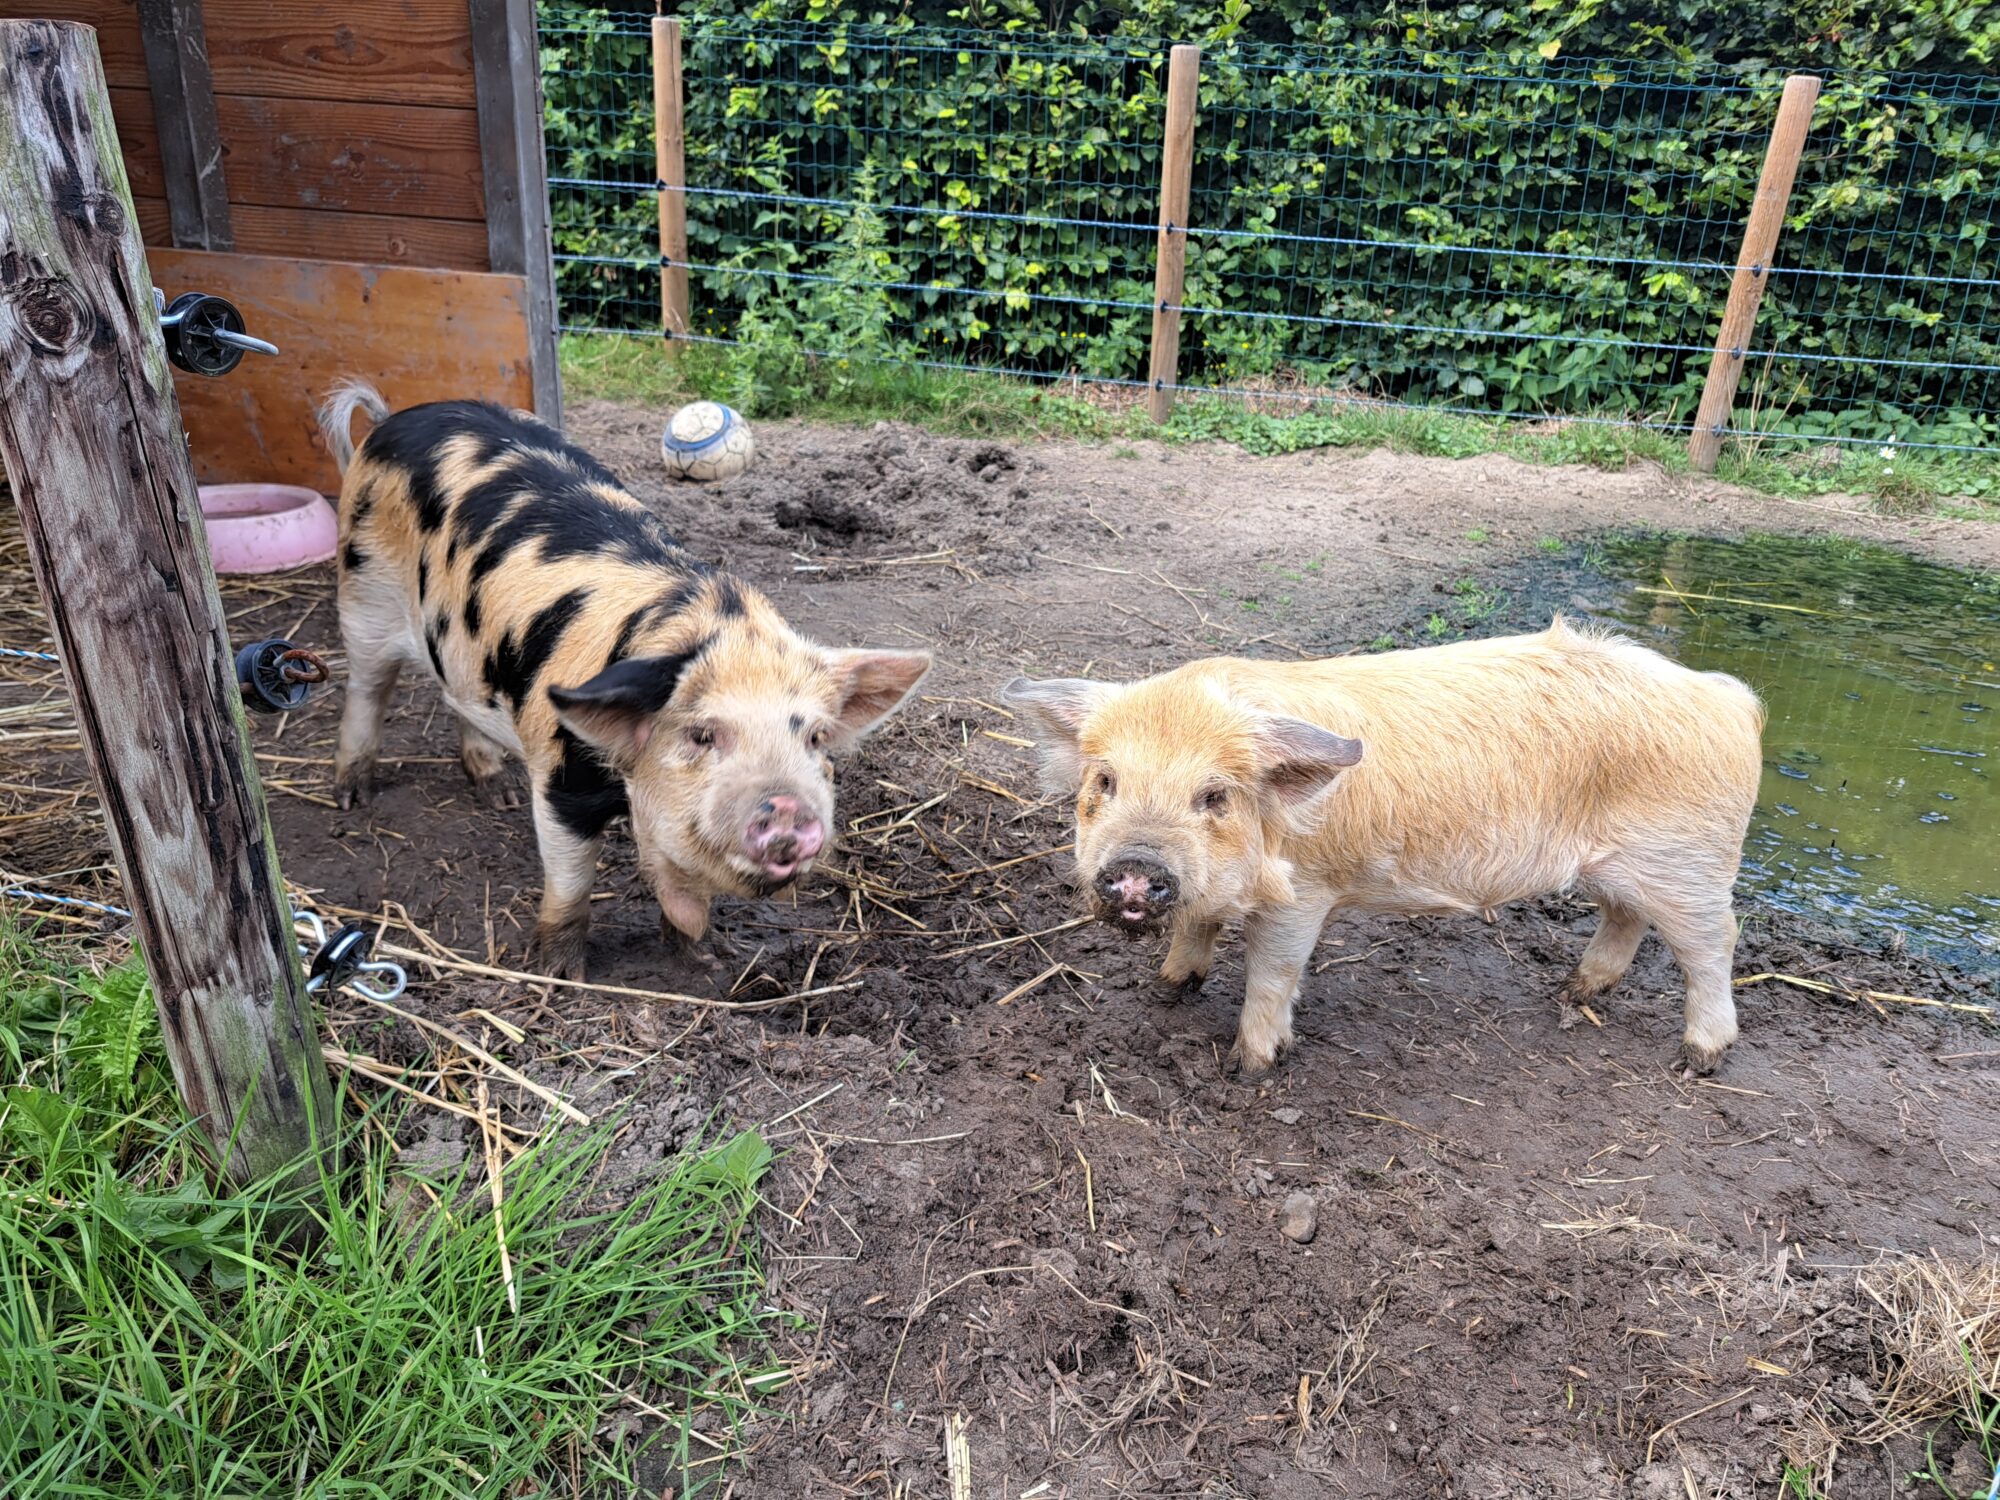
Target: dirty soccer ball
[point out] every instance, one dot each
(706, 441)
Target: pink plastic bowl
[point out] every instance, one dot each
(267, 528)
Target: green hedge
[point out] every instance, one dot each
(1494, 230)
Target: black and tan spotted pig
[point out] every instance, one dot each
(567, 627)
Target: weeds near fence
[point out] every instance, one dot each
(160, 1336)
(961, 403)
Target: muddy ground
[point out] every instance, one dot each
(1023, 1192)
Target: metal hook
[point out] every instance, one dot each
(340, 962)
(205, 334)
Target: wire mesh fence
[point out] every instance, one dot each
(1462, 232)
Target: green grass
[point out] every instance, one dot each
(348, 1337)
(637, 371)
(764, 384)
(1978, 1420)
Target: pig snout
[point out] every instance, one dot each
(1135, 890)
(782, 838)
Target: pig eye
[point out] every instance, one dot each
(1214, 800)
(1105, 785)
(702, 737)
(817, 739)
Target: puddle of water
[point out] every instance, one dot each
(1881, 676)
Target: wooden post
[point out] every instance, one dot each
(1753, 269)
(176, 42)
(669, 162)
(91, 434)
(1170, 258)
(507, 85)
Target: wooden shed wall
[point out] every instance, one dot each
(351, 147)
(349, 131)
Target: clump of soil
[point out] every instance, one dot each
(899, 484)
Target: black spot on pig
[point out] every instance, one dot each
(583, 793)
(513, 666)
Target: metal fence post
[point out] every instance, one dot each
(1170, 259)
(669, 162)
(91, 433)
(1753, 269)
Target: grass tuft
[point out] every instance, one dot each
(159, 1336)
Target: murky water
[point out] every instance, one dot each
(1880, 807)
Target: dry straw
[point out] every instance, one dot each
(1937, 1325)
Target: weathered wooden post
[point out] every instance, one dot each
(1753, 269)
(91, 434)
(1170, 258)
(669, 161)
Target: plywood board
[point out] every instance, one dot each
(416, 335)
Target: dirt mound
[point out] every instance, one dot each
(901, 484)
(900, 489)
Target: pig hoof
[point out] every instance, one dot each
(1173, 990)
(1699, 1062)
(354, 788)
(559, 951)
(496, 791)
(1246, 1062)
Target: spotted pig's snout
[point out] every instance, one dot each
(783, 836)
(1135, 890)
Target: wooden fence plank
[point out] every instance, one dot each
(176, 43)
(361, 158)
(364, 51)
(416, 335)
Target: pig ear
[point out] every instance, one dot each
(613, 712)
(1058, 708)
(871, 685)
(1300, 760)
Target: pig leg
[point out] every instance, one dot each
(374, 659)
(569, 867)
(1277, 942)
(485, 762)
(1190, 955)
(1620, 930)
(1702, 936)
